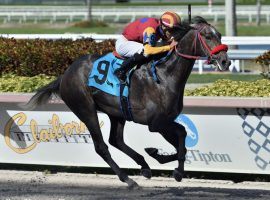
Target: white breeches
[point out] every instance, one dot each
(127, 48)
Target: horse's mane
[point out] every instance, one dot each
(179, 32)
(198, 20)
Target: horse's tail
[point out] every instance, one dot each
(44, 94)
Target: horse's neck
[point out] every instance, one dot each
(174, 75)
(176, 72)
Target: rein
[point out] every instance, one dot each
(210, 52)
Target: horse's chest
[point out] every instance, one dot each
(169, 103)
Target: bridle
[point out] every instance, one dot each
(210, 53)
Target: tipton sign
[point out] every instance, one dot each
(219, 140)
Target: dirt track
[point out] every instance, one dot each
(65, 186)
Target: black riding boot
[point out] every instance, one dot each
(137, 59)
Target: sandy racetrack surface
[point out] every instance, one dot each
(27, 185)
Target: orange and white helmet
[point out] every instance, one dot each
(170, 19)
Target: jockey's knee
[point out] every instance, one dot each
(118, 49)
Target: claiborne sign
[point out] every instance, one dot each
(57, 131)
(232, 140)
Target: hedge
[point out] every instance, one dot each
(264, 59)
(14, 83)
(224, 87)
(26, 57)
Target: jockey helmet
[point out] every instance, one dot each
(170, 19)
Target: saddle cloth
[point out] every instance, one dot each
(102, 75)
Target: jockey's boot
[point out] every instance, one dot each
(125, 67)
(128, 64)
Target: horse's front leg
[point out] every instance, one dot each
(175, 134)
(117, 140)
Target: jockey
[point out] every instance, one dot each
(139, 38)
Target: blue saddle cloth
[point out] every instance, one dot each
(102, 75)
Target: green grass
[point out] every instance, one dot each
(263, 30)
(248, 30)
(210, 78)
(39, 30)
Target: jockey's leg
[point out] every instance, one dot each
(128, 64)
(127, 48)
(132, 51)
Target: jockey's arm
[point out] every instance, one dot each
(149, 41)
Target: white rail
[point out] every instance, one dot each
(239, 40)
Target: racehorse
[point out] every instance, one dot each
(155, 104)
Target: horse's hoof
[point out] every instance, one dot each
(177, 175)
(132, 185)
(151, 151)
(146, 173)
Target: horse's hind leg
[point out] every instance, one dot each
(117, 140)
(175, 134)
(86, 112)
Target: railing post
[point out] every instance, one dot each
(235, 66)
(268, 18)
(200, 66)
(250, 18)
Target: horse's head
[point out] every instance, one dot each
(204, 41)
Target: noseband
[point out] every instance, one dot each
(207, 50)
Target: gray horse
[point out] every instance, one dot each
(153, 104)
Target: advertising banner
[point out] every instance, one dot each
(219, 140)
